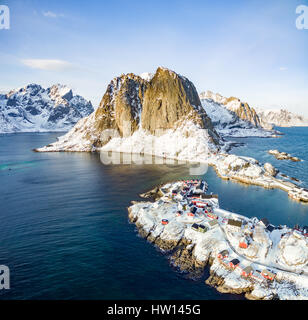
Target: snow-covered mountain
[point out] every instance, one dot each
(282, 118)
(258, 117)
(231, 117)
(160, 114)
(35, 109)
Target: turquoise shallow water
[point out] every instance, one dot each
(65, 232)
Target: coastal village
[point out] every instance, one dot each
(246, 255)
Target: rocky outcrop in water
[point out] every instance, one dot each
(283, 156)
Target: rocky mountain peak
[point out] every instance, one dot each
(131, 103)
(122, 103)
(170, 98)
(61, 94)
(152, 105)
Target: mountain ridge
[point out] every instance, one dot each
(282, 117)
(33, 108)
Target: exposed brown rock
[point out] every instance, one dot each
(170, 98)
(184, 259)
(121, 104)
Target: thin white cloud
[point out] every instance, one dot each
(45, 64)
(283, 68)
(51, 14)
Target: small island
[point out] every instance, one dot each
(283, 156)
(245, 255)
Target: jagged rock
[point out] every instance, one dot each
(185, 260)
(121, 103)
(152, 194)
(214, 280)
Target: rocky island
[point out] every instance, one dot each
(283, 156)
(245, 255)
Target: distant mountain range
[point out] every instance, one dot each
(35, 109)
(282, 118)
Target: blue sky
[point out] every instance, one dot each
(249, 49)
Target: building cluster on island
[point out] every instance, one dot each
(246, 255)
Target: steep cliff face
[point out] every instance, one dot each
(131, 103)
(243, 111)
(122, 103)
(170, 98)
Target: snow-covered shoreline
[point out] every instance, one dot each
(187, 143)
(208, 235)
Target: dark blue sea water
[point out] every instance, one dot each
(64, 227)
(294, 141)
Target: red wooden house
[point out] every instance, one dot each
(234, 263)
(179, 213)
(243, 244)
(268, 275)
(223, 254)
(247, 272)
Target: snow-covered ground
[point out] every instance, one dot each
(277, 256)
